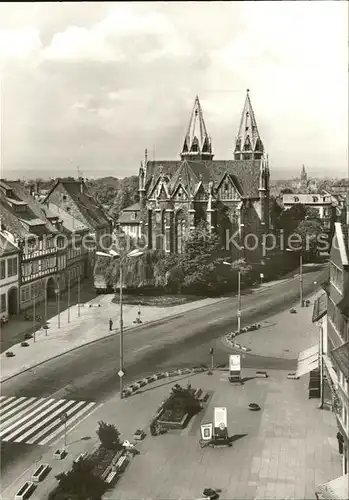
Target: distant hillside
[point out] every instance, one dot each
(110, 181)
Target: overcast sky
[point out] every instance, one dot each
(93, 85)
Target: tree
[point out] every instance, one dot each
(289, 219)
(80, 483)
(309, 233)
(109, 436)
(182, 400)
(312, 214)
(286, 190)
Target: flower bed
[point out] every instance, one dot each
(102, 459)
(173, 420)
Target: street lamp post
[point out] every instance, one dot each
(34, 313)
(69, 298)
(301, 292)
(79, 296)
(121, 372)
(239, 296)
(45, 308)
(58, 292)
(301, 280)
(114, 255)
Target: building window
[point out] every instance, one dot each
(3, 303)
(3, 269)
(296, 199)
(336, 276)
(226, 186)
(315, 199)
(12, 267)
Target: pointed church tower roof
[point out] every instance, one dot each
(248, 144)
(197, 143)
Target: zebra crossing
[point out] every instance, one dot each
(38, 420)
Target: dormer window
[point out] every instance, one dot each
(296, 199)
(134, 216)
(315, 199)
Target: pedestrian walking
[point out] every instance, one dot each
(110, 325)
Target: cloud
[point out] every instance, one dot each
(123, 33)
(104, 81)
(19, 43)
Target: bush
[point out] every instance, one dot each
(109, 436)
(79, 483)
(181, 401)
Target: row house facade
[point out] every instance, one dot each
(34, 233)
(75, 200)
(331, 312)
(72, 248)
(231, 196)
(9, 276)
(50, 246)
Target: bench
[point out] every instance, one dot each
(111, 477)
(197, 393)
(121, 463)
(80, 457)
(25, 491)
(40, 473)
(205, 398)
(59, 454)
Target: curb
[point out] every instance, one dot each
(103, 338)
(234, 345)
(110, 335)
(135, 386)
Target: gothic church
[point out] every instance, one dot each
(232, 196)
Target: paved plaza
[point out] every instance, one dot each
(283, 451)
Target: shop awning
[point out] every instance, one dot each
(308, 360)
(337, 489)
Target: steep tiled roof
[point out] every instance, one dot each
(131, 215)
(70, 223)
(16, 222)
(341, 356)
(245, 171)
(6, 246)
(93, 212)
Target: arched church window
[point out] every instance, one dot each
(180, 231)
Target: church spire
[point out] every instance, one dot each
(197, 143)
(248, 144)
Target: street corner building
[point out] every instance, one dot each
(231, 196)
(331, 313)
(42, 243)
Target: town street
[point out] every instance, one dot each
(90, 373)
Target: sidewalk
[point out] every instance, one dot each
(283, 451)
(283, 335)
(91, 326)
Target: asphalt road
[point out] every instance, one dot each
(91, 371)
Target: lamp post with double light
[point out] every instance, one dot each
(114, 255)
(239, 295)
(58, 294)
